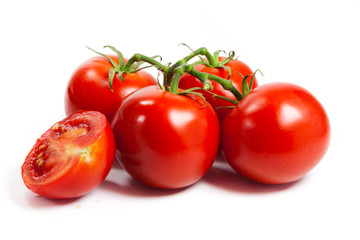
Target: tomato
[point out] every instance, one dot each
(88, 87)
(276, 134)
(165, 140)
(188, 81)
(71, 158)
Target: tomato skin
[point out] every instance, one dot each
(276, 134)
(188, 81)
(165, 140)
(88, 87)
(76, 155)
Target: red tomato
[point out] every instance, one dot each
(165, 140)
(72, 157)
(276, 134)
(88, 88)
(188, 81)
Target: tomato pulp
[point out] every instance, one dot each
(165, 140)
(276, 134)
(71, 158)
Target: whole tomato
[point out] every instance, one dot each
(165, 140)
(88, 87)
(71, 158)
(238, 70)
(276, 134)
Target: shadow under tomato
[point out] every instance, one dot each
(223, 176)
(43, 202)
(116, 165)
(119, 181)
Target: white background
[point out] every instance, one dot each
(311, 43)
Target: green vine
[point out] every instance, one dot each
(172, 73)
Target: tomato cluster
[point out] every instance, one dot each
(166, 134)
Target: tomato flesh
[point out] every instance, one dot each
(72, 157)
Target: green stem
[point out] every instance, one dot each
(226, 84)
(202, 51)
(227, 59)
(168, 79)
(139, 57)
(142, 58)
(173, 73)
(178, 72)
(224, 98)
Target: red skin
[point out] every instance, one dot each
(71, 158)
(276, 134)
(88, 88)
(187, 81)
(165, 140)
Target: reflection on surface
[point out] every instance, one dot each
(289, 114)
(180, 118)
(146, 102)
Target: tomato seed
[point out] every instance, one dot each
(39, 162)
(42, 147)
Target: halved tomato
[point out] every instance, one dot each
(72, 157)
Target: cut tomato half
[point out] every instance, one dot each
(72, 157)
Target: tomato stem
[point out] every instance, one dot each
(142, 58)
(226, 84)
(201, 51)
(178, 72)
(224, 98)
(204, 52)
(119, 54)
(227, 59)
(247, 87)
(165, 69)
(172, 73)
(117, 68)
